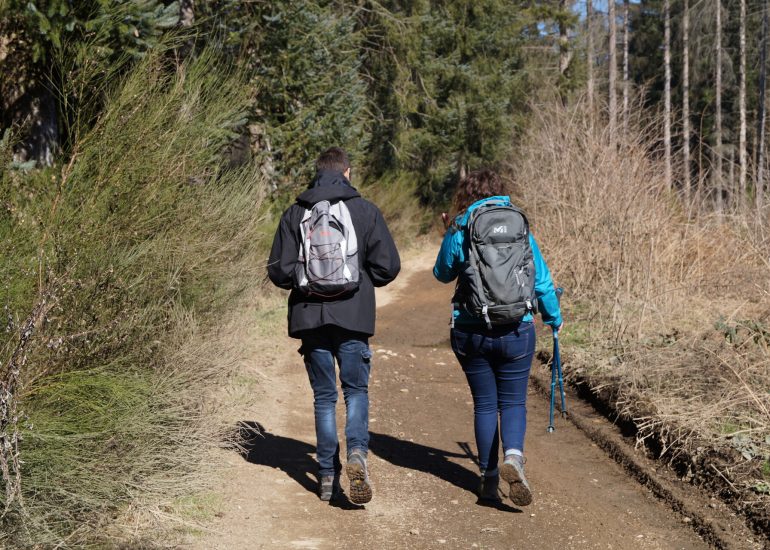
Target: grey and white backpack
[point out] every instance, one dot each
(328, 254)
(498, 284)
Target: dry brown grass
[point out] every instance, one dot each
(668, 308)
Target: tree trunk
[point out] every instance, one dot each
(613, 69)
(626, 85)
(686, 181)
(186, 13)
(565, 54)
(667, 91)
(186, 20)
(590, 53)
(742, 108)
(41, 114)
(731, 186)
(760, 183)
(718, 99)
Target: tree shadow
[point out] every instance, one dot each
(291, 456)
(430, 460)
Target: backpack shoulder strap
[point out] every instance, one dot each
(473, 253)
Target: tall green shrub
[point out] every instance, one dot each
(141, 240)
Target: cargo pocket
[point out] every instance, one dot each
(366, 366)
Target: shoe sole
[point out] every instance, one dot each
(519, 493)
(360, 489)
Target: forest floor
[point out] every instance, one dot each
(422, 458)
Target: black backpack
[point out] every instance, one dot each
(498, 283)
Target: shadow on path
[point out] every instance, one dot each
(430, 460)
(291, 456)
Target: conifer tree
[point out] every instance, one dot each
(54, 45)
(451, 83)
(310, 93)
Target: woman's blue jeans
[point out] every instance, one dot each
(496, 363)
(320, 348)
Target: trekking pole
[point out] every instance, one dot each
(556, 374)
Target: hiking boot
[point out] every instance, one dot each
(360, 488)
(488, 488)
(329, 488)
(512, 472)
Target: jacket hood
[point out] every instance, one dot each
(328, 186)
(463, 218)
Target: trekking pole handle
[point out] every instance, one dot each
(559, 291)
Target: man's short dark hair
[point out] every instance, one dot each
(334, 158)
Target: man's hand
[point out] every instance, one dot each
(558, 329)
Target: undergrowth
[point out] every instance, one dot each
(668, 305)
(140, 242)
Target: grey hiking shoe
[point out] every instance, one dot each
(488, 488)
(360, 488)
(329, 487)
(512, 472)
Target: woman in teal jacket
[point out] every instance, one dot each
(496, 360)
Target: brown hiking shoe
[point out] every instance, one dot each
(360, 488)
(512, 471)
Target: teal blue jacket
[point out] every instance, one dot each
(454, 252)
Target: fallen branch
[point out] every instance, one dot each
(10, 465)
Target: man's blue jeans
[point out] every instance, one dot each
(320, 348)
(496, 363)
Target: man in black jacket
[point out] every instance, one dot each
(337, 327)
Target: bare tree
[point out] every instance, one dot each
(565, 53)
(742, 108)
(667, 90)
(718, 101)
(760, 183)
(626, 86)
(686, 101)
(590, 52)
(613, 71)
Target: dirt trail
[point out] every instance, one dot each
(421, 458)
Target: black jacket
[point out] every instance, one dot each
(379, 259)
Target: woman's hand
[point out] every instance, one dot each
(445, 219)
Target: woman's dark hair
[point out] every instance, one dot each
(334, 158)
(477, 185)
